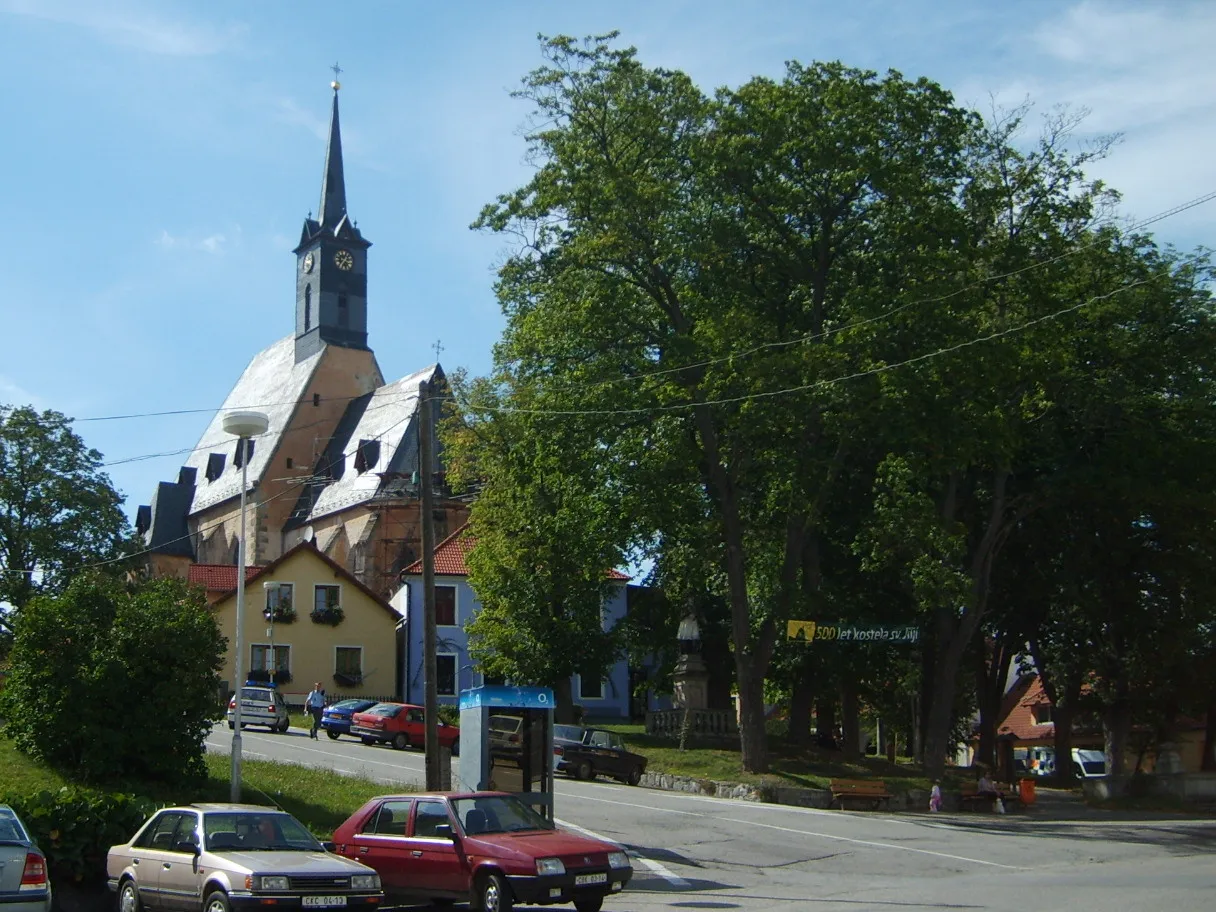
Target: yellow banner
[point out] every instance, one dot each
(801, 630)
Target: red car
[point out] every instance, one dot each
(402, 725)
(485, 848)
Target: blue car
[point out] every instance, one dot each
(336, 719)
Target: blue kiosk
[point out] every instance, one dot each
(506, 743)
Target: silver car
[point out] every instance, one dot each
(24, 884)
(260, 705)
(223, 857)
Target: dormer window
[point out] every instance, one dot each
(143, 520)
(1041, 713)
(367, 455)
(243, 452)
(215, 466)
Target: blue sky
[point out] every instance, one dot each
(158, 158)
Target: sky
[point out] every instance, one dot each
(158, 157)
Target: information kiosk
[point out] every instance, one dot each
(506, 743)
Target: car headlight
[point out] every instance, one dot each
(550, 866)
(618, 860)
(365, 882)
(276, 882)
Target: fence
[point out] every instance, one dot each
(714, 723)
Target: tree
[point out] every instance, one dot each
(546, 536)
(58, 510)
(103, 670)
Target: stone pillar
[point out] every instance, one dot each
(691, 682)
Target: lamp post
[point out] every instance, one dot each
(243, 426)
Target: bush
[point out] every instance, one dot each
(115, 684)
(75, 827)
(449, 714)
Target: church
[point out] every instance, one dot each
(338, 465)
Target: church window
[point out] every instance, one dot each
(290, 463)
(243, 452)
(307, 307)
(343, 312)
(316, 399)
(215, 466)
(367, 455)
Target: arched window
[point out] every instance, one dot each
(307, 308)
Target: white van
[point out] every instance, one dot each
(1088, 764)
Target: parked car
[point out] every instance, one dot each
(485, 848)
(1088, 764)
(217, 857)
(260, 705)
(505, 732)
(402, 725)
(599, 753)
(565, 736)
(25, 885)
(336, 719)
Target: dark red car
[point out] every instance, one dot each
(485, 848)
(402, 725)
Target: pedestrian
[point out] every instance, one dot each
(315, 704)
(935, 798)
(986, 789)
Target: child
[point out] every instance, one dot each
(935, 798)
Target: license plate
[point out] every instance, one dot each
(581, 880)
(325, 902)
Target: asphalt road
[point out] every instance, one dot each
(693, 852)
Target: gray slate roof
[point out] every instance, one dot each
(387, 416)
(273, 383)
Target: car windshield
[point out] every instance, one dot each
(249, 693)
(384, 709)
(1095, 767)
(10, 827)
(497, 814)
(505, 723)
(351, 705)
(568, 732)
(252, 831)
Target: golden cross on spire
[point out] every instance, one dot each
(335, 85)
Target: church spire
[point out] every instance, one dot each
(333, 186)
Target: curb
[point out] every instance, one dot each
(912, 799)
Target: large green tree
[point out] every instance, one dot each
(115, 683)
(58, 510)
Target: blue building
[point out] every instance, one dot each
(456, 605)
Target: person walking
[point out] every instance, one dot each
(315, 704)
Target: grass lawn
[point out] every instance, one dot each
(318, 798)
(808, 767)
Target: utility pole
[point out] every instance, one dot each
(426, 473)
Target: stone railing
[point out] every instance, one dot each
(718, 723)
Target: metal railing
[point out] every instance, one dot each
(701, 722)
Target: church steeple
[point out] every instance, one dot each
(331, 274)
(333, 185)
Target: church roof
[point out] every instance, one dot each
(219, 577)
(375, 442)
(274, 384)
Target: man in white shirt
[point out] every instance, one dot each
(314, 703)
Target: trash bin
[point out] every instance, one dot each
(1026, 791)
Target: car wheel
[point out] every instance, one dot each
(216, 901)
(128, 897)
(400, 741)
(284, 725)
(493, 894)
(635, 776)
(590, 904)
(584, 770)
(333, 735)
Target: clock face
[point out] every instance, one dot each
(308, 261)
(343, 260)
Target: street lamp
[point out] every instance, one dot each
(242, 425)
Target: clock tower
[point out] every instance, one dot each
(331, 264)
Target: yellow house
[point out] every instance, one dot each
(327, 627)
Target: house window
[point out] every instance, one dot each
(445, 674)
(279, 601)
(445, 606)
(215, 466)
(243, 452)
(259, 657)
(367, 455)
(290, 464)
(348, 665)
(326, 598)
(590, 687)
(1041, 713)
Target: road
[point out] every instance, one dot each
(693, 852)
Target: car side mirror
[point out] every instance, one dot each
(327, 846)
(445, 831)
(188, 845)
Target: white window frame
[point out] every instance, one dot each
(455, 674)
(316, 586)
(291, 586)
(273, 656)
(583, 697)
(362, 652)
(455, 605)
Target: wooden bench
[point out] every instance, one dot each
(969, 795)
(872, 791)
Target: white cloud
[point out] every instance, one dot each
(12, 393)
(136, 27)
(216, 243)
(289, 112)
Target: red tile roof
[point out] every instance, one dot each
(1017, 712)
(218, 577)
(451, 552)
